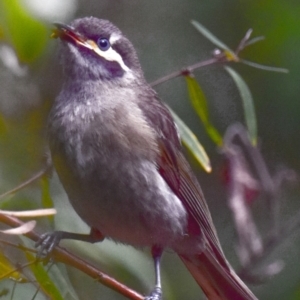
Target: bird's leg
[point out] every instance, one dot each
(49, 240)
(156, 294)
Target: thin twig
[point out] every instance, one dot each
(18, 246)
(221, 57)
(17, 269)
(64, 256)
(186, 70)
(26, 183)
(39, 286)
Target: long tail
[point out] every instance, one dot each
(216, 281)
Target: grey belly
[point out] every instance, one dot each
(132, 205)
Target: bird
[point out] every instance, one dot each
(117, 152)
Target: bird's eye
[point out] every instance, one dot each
(103, 44)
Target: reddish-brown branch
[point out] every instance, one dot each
(64, 256)
(187, 70)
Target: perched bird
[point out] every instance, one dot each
(117, 153)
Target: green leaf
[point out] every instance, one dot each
(199, 103)
(27, 35)
(197, 98)
(43, 279)
(8, 270)
(47, 201)
(206, 33)
(192, 143)
(46, 196)
(264, 67)
(248, 104)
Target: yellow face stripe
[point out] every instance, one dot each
(110, 54)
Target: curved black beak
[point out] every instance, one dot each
(67, 33)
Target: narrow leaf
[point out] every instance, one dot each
(248, 104)
(43, 279)
(263, 67)
(30, 213)
(205, 32)
(199, 103)
(254, 40)
(8, 270)
(47, 201)
(192, 143)
(26, 227)
(197, 98)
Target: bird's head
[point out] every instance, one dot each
(95, 49)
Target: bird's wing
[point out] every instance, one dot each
(210, 267)
(176, 171)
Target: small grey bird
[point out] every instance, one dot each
(117, 152)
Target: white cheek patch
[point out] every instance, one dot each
(110, 54)
(114, 38)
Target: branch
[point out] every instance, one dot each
(26, 183)
(187, 70)
(222, 56)
(64, 256)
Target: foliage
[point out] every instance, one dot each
(21, 150)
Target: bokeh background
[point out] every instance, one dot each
(30, 78)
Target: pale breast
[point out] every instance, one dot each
(106, 163)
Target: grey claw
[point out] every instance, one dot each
(156, 294)
(46, 243)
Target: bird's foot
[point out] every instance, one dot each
(47, 242)
(156, 294)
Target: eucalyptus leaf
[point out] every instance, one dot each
(263, 67)
(197, 98)
(205, 32)
(8, 270)
(46, 284)
(248, 104)
(199, 103)
(254, 40)
(46, 195)
(192, 143)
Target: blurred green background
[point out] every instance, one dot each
(30, 78)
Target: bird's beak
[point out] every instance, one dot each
(68, 34)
